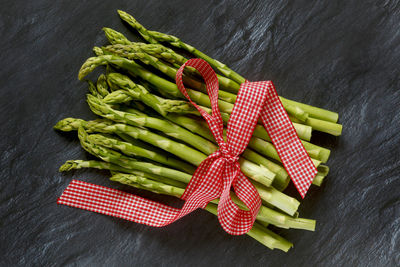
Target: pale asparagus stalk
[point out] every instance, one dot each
(102, 165)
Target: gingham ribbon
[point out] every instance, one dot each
(217, 174)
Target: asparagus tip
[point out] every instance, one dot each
(98, 51)
(122, 13)
(69, 124)
(69, 165)
(89, 65)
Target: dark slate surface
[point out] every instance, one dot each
(341, 55)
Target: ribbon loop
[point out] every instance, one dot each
(210, 78)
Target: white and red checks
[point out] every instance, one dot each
(220, 171)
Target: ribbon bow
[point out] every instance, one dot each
(217, 174)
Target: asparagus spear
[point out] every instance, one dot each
(314, 112)
(101, 165)
(138, 92)
(103, 126)
(321, 125)
(154, 37)
(118, 97)
(136, 151)
(323, 171)
(101, 85)
(92, 88)
(98, 51)
(114, 36)
(267, 149)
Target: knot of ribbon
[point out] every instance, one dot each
(226, 154)
(219, 172)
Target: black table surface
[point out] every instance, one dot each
(339, 55)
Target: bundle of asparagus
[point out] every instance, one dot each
(150, 138)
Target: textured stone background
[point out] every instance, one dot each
(340, 55)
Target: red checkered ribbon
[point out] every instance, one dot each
(217, 174)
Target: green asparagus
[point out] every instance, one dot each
(151, 137)
(101, 165)
(101, 85)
